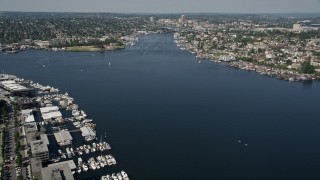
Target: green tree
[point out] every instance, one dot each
(18, 146)
(307, 68)
(289, 62)
(19, 160)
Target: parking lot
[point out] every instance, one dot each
(9, 152)
(11, 169)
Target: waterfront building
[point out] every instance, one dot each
(63, 138)
(16, 89)
(61, 170)
(39, 149)
(27, 115)
(87, 133)
(49, 113)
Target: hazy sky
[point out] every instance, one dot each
(163, 6)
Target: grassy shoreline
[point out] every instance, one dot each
(93, 48)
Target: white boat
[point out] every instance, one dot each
(72, 152)
(124, 175)
(99, 158)
(97, 164)
(75, 113)
(79, 169)
(114, 161)
(101, 148)
(91, 160)
(104, 178)
(68, 153)
(80, 162)
(80, 152)
(87, 151)
(107, 146)
(105, 163)
(87, 120)
(109, 160)
(59, 151)
(101, 164)
(93, 166)
(89, 138)
(114, 176)
(119, 176)
(85, 167)
(83, 113)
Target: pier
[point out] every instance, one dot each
(43, 125)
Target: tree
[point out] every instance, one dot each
(3, 113)
(19, 160)
(307, 68)
(17, 135)
(288, 62)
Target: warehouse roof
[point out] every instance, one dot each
(87, 131)
(63, 136)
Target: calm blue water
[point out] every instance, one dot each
(169, 117)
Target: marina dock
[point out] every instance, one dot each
(58, 131)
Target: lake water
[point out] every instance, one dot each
(167, 116)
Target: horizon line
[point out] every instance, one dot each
(159, 13)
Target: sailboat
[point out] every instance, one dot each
(109, 63)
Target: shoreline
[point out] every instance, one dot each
(281, 74)
(48, 111)
(92, 48)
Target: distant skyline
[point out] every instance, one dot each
(164, 6)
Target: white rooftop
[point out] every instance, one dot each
(29, 119)
(26, 111)
(12, 85)
(87, 131)
(49, 109)
(63, 136)
(55, 114)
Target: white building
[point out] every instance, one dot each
(182, 19)
(49, 113)
(88, 133)
(63, 138)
